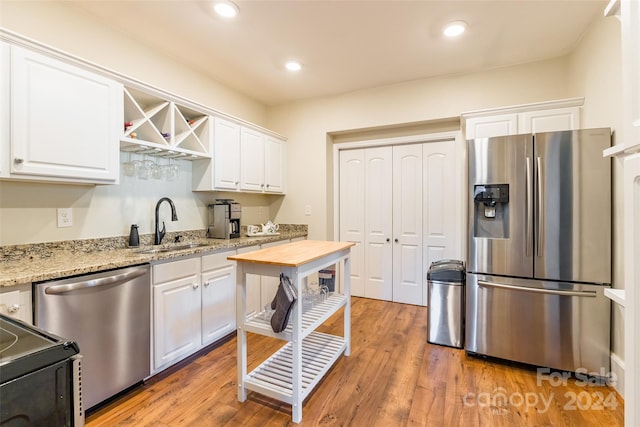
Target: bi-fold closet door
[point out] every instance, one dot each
(385, 199)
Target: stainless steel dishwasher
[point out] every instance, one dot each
(108, 315)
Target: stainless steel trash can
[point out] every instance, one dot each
(445, 283)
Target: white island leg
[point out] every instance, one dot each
(296, 341)
(241, 308)
(347, 306)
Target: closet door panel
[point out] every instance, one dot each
(378, 223)
(352, 213)
(408, 285)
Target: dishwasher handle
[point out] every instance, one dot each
(92, 283)
(590, 294)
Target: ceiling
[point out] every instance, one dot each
(347, 45)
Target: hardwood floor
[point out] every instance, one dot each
(393, 377)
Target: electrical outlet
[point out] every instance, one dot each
(307, 210)
(65, 217)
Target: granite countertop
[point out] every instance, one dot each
(49, 261)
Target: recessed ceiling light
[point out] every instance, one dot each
(225, 8)
(293, 66)
(454, 29)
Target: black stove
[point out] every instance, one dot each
(39, 377)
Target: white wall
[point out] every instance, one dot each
(595, 71)
(307, 124)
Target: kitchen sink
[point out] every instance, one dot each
(171, 248)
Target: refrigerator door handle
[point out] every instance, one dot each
(539, 222)
(589, 294)
(529, 211)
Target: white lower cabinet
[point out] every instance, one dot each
(218, 296)
(261, 289)
(176, 310)
(253, 305)
(15, 302)
(193, 305)
(269, 284)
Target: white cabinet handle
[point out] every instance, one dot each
(13, 308)
(195, 286)
(207, 284)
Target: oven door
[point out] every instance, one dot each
(42, 397)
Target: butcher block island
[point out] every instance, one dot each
(292, 372)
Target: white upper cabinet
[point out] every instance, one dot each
(531, 118)
(549, 120)
(251, 160)
(274, 158)
(486, 127)
(244, 159)
(630, 26)
(65, 122)
(226, 171)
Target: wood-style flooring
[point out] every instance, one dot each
(393, 377)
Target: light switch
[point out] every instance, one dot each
(307, 210)
(65, 217)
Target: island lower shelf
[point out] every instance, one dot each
(273, 377)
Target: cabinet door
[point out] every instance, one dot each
(66, 122)
(5, 105)
(269, 284)
(550, 120)
(15, 301)
(226, 156)
(218, 297)
(630, 16)
(274, 152)
(486, 127)
(408, 281)
(253, 287)
(176, 310)
(251, 160)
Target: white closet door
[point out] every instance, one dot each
(378, 223)
(352, 213)
(408, 283)
(440, 183)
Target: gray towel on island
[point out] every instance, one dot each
(282, 304)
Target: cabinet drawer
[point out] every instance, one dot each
(217, 260)
(175, 270)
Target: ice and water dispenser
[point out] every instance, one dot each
(491, 210)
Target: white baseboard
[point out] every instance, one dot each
(617, 368)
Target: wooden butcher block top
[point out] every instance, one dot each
(293, 254)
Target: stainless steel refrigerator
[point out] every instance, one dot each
(540, 249)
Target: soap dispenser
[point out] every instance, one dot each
(134, 239)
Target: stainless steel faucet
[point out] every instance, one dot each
(174, 217)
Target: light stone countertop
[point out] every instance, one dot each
(39, 262)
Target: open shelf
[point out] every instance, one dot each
(160, 127)
(310, 319)
(274, 377)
